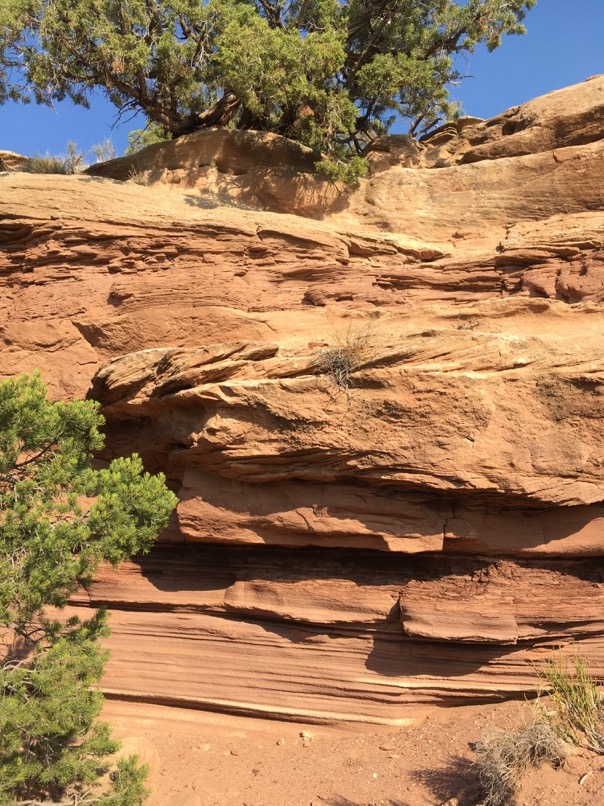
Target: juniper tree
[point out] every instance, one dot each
(59, 518)
(329, 73)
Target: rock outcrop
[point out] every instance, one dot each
(11, 161)
(383, 409)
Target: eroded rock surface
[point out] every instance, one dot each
(385, 426)
(330, 635)
(444, 435)
(11, 161)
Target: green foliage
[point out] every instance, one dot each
(349, 171)
(47, 705)
(330, 73)
(141, 138)
(128, 784)
(59, 518)
(577, 700)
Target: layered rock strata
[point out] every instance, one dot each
(385, 426)
(340, 635)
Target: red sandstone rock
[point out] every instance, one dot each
(464, 280)
(261, 632)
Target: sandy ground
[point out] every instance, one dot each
(205, 759)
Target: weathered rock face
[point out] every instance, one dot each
(385, 426)
(450, 439)
(10, 161)
(353, 635)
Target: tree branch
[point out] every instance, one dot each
(302, 13)
(273, 14)
(366, 52)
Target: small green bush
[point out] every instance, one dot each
(127, 784)
(577, 701)
(348, 172)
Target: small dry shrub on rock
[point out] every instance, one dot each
(503, 757)
(71, 162)
(351, 349)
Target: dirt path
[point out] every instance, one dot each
(205, 759)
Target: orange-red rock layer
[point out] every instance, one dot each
(385, 405)
(336, 635)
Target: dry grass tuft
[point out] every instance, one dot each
(71, 162)
(352, 349)
(138, 177)
(503, 756)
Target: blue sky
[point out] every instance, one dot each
(564, 45)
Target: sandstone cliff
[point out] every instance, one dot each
(382, 408)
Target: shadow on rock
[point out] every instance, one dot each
(392, 657)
